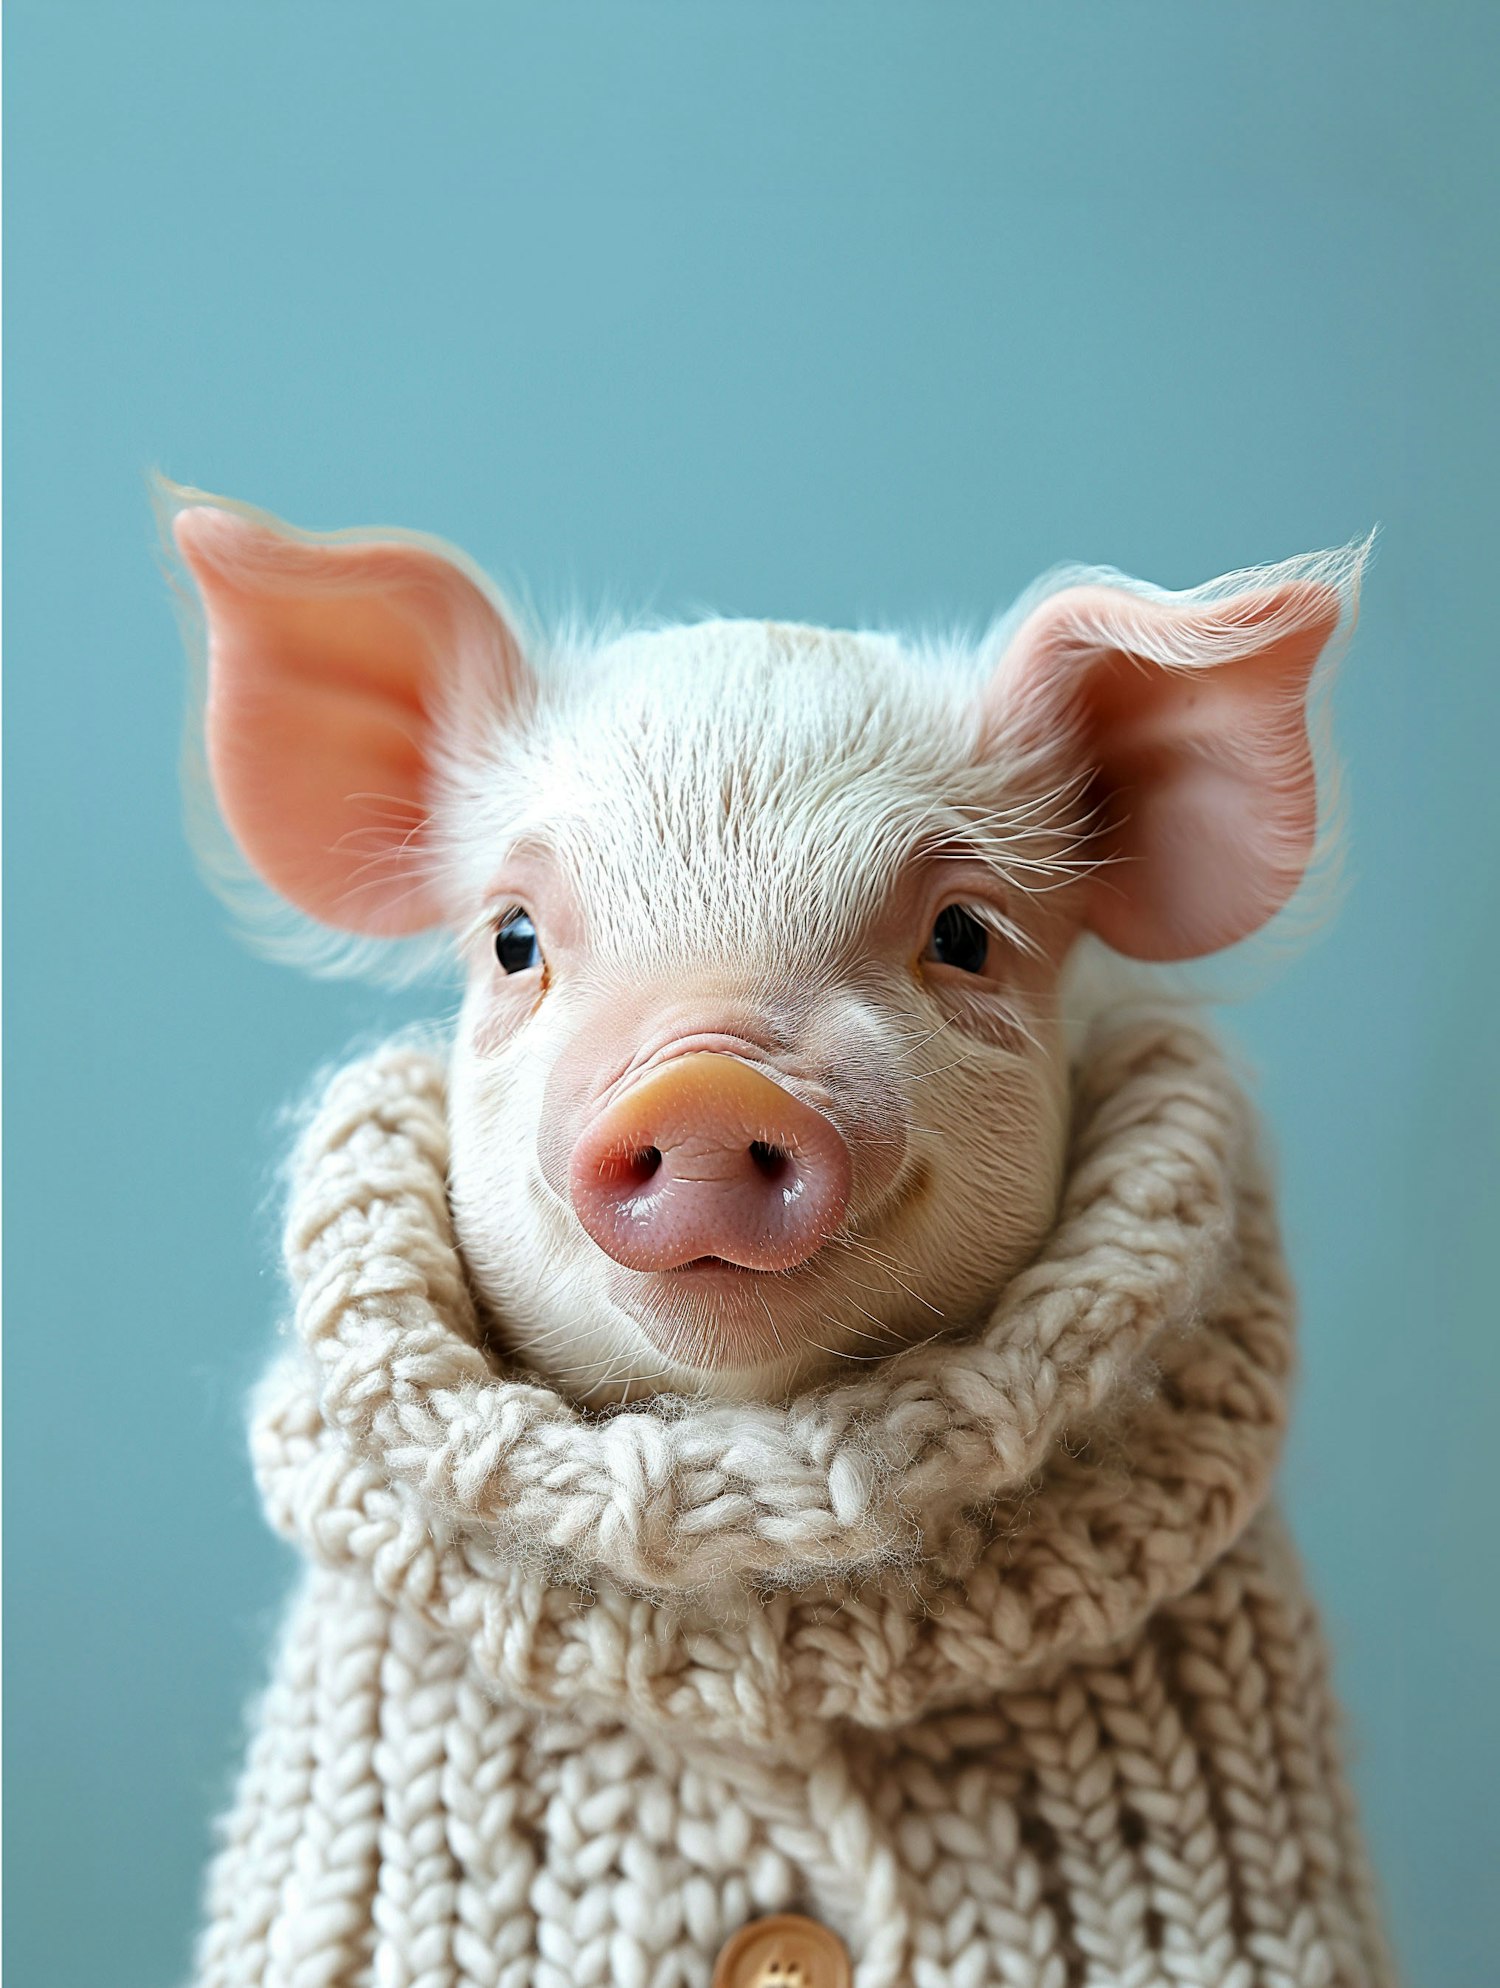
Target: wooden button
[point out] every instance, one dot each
(785, 1952)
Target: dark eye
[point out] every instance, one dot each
(958, 939)
(515, 943)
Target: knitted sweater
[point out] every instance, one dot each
(994, 1661)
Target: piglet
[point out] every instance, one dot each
(768, 932)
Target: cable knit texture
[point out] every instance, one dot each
(994, 1659)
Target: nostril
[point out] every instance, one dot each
(770, 1162)
(630, 1169)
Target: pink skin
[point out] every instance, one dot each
(707, 1159)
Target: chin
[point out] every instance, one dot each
(736, 1334)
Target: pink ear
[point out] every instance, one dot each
(331, 662)
(1190, 717)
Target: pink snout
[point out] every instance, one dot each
(705, 1157)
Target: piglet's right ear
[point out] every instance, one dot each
(333, 662)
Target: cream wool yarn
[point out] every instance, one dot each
(994, 1660)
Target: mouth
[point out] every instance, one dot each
(720, 1263)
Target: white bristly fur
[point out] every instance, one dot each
(732, 803)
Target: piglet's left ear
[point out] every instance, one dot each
(1186, 715)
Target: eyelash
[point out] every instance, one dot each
(1002, 929)
(486, 927)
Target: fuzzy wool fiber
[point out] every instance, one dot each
(995, 1659)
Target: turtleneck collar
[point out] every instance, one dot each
(953, 1520)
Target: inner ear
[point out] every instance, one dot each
(334, 665)
(1189, 717)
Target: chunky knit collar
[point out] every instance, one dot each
(953, 1520)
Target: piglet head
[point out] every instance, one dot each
(760, 1062)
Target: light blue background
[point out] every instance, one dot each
(826, 312)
